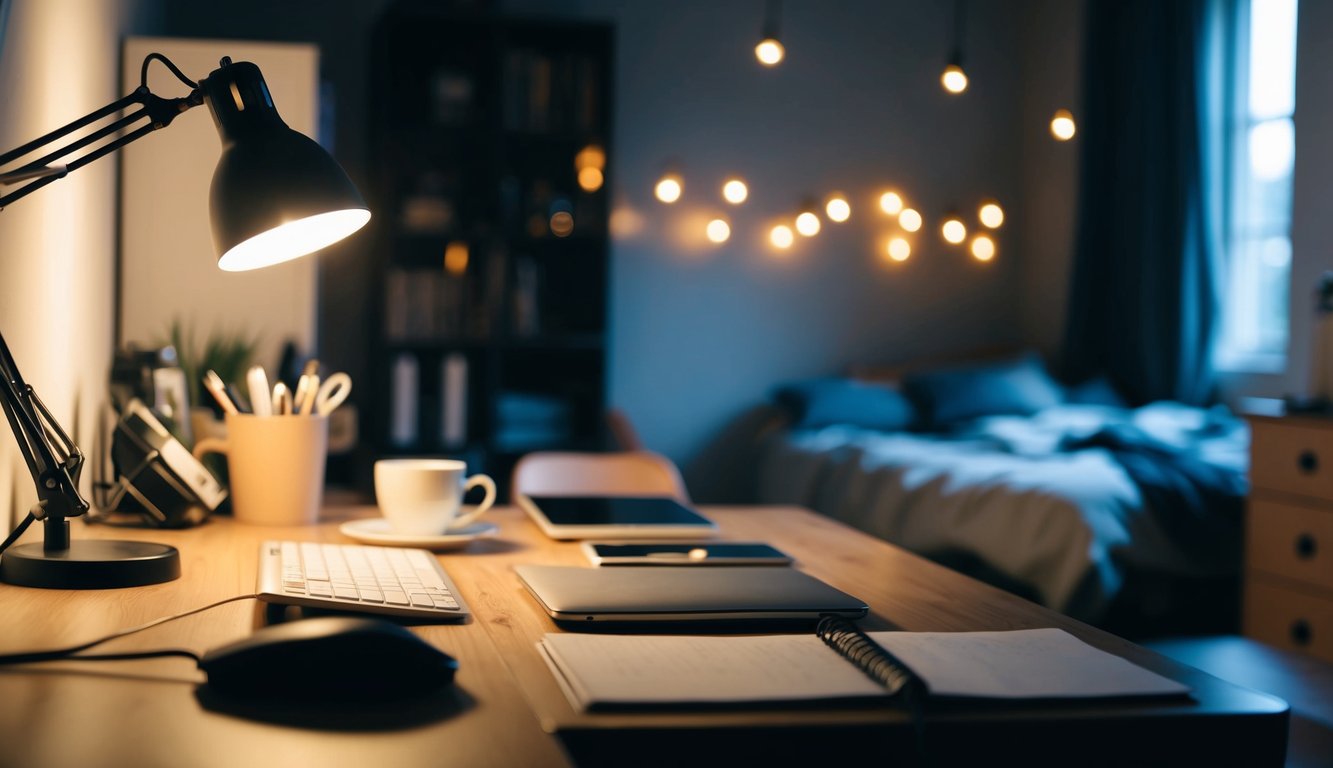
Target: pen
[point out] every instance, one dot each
(260, 397)
(213, 383)
(282, 400)
(302, 389)
(306, 404)
(242, 404)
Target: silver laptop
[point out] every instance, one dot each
(701, 593)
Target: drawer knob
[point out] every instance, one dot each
(1308, 461)
(1306, 546)
(1300, 632)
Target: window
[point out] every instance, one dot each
(1261, 149)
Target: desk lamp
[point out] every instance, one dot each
(276, 195)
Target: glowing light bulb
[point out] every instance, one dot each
(591, 156)
(807, 224)
(668, 189)
(909, 220)
(718, 230)
(953, 230)
(891, 203)
(590, 179)
(991, 215)
(456, 257)
(838, 209)
(983, 248)
(781, 237)
(954, 79)
(769, 52)
(735, 191)
(899, 249)
(1062, 125)
(562, 224)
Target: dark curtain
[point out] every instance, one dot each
(1143, 302)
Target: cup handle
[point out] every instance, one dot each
(472, 482)
(209, 445)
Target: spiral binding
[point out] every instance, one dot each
(882, 667)
(854, 645)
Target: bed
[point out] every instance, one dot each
(1064, 495)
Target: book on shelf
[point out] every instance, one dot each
(453, 416)
(403, 401)
(839, 662)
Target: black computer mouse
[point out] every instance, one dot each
(337, 657)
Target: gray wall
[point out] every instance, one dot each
(703, 335)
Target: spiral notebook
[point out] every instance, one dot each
(839, 662)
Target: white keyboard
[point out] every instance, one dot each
(347, 577)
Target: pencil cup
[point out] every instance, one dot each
(275, 465)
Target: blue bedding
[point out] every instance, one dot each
(1063, 500)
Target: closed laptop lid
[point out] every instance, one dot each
(667, 593)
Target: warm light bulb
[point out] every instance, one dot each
(591, 156)
(769, 51)
(456, 257)
(293, 239)
(590, 179)
(668, 189)
(954, 79)
(807, 224)
(983, 248)
(1062, 125)
(562, 224)
(891, 203)
(909, 220)
(838, 209)
(899, 249)
(953, 230)
(735, 191)
(718, 230)
(781, 237)
(991, 215)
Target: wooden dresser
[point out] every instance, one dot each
(1288, 599)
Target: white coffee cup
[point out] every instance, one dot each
(424, 497)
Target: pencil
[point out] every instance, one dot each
(213, 383)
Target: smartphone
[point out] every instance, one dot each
(683, 553)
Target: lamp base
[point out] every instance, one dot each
(90, 564)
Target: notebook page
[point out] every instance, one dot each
(678, 669)
(1028, 663)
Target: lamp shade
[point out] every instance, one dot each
(276, 194)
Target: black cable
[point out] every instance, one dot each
(143, 71)
(17, 532)
(69, 652)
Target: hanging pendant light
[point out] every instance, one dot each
(954, 79)
(770, 51)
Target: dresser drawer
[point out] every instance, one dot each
(1290, 540)
(1292, 458)
(1289, 619)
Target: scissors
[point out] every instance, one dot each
(332, 393)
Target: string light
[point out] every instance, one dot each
(909, 220)
(1062, 125)
(807, 221)
(669, 188)
(991, 215)
(781, 237)
(898, 249)
(718, 230)
(891, 203)
(735, 191)
(837, 208)
(953, 229)
(983, 248)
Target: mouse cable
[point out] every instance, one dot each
(69, 652)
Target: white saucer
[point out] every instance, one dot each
(376, 530)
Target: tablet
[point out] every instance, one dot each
(614, 517)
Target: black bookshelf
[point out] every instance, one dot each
(492, 272)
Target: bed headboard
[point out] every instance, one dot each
(893, 373)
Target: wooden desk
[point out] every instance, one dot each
(145, 713)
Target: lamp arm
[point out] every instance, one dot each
(157, 111)
(54, 460)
